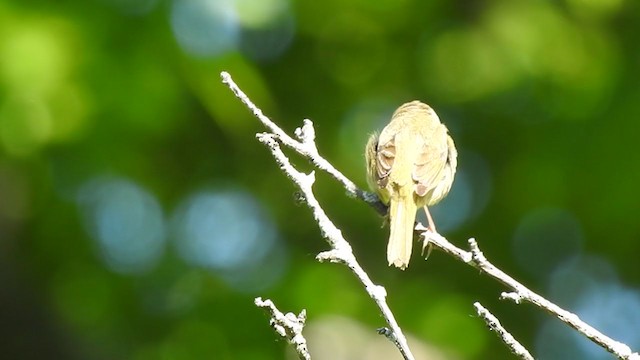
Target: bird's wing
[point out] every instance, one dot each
(385, 158)
(430, 161)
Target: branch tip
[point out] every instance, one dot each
(332, 256)
(513, 296)
(288, 326)
(494, 325)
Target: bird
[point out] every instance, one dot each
(411, 164)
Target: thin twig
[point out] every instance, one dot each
(341, 251)
(494, 324)
(521, 293)
(289, 326)
(305, 147)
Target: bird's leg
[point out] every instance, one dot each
(432, 225)
(432, 228)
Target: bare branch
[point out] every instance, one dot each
(288, 326)
(494, 324)
(306, 145)
(521, 293)
(341, 251)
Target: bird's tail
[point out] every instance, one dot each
(402, 216)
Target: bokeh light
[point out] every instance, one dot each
(126, 222)
(268, 27)
(229, 233)
(589, 287)
(42, 102)
(262, 30)
(545, 238)
(205, 28)
(36, 55)
(269, 41)
(262, 13)
(612, 309)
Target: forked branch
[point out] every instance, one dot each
(341, 251)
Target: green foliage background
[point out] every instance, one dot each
(542, 99)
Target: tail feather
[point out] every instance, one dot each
(402, 216)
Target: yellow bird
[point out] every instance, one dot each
(411, 164)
